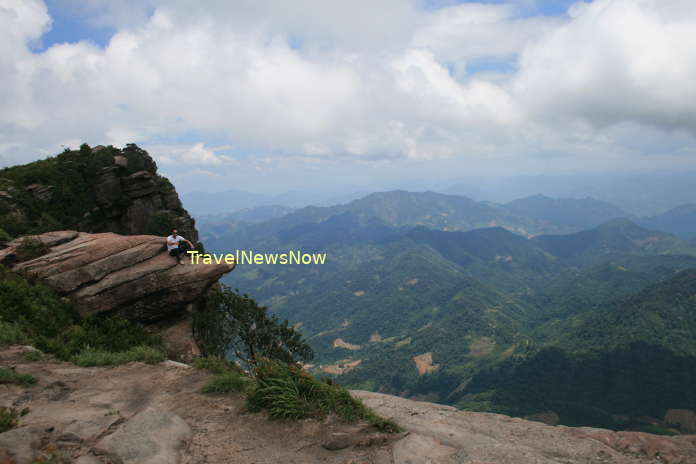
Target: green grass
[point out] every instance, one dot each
(92, 357)
(228, 382)
(9, 418)
(10, 376)
(33, 314)
(12, 334)
(33, 356)
(288, 392)
(215, 364)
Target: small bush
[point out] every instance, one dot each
(228, 382)
(288, 392)
(10, 376)
(91, 357)
(9, 418)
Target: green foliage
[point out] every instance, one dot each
(72, 177)
(32, 313)
(288, 392)
(33, 356)
(227, 382)
(30, 248)
(10, 376)
(215, 364)
(12, 334)
(92, 357)
(4, 236)
(9, 418)
(236, 323)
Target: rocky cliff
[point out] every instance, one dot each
(100, 189)
(155, 414)
(129, 275)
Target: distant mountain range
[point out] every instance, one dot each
(478, 304)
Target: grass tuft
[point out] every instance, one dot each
(12, 334)
(216, 365)
(10, 376)
(228, 382)
(33, 356)
(9, 418)
(288, 392)
(90, 357)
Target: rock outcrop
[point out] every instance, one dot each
(129, 275)
(100, 189)
(442, 434)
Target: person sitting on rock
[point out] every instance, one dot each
(173, 245)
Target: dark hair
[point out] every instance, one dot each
(173, 229)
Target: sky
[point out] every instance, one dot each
(269, 96)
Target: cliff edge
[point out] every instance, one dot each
(128, 275)
(156, 414)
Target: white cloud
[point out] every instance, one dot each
(196, 154)
(352, 80)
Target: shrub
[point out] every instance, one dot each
(90, 357)
(286, 391)
(9, 418)
(228, 382)
(4, 236)
(11, 376)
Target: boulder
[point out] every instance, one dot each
(150, 437)
(129, 275)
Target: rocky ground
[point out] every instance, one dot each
(138, 413)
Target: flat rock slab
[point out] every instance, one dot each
(150, 437)
(443, 434)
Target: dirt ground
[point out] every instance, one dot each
(95, 401)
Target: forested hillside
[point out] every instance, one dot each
(479, 318)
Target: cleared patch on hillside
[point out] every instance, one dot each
(424, 363)
(341, 367)
(375, 338)
(481, 346)
(340, 343)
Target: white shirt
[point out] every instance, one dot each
(176, 239)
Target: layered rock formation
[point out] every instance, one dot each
(132, 276)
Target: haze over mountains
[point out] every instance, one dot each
(520, 307)
(640, 195)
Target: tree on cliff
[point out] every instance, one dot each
(235, 324)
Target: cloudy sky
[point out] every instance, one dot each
(271, 95)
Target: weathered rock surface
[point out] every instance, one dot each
(150, 437)
(130, 275)
(443, 434)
